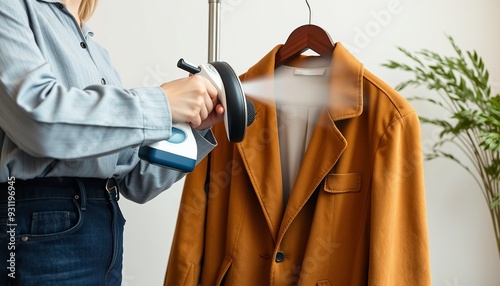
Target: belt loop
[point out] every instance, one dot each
(83, 195)
(112, 189)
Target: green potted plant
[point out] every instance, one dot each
(459, 85)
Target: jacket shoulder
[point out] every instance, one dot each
(386, 95)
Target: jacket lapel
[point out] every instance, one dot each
(260, 150)
(327, 142)
(324, 149)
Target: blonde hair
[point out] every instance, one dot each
(87, 8)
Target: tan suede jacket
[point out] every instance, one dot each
(356, 214)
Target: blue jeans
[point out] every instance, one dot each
(60, 231)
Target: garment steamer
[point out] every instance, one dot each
(180, 150)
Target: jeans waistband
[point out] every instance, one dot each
(58, 187)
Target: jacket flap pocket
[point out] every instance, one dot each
(343, 183)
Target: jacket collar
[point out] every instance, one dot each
(346, 85)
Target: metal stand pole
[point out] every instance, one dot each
(214, 30)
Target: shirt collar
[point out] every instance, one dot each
(86, 30)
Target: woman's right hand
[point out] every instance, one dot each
(191, 99)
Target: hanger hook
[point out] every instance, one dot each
(309, 7)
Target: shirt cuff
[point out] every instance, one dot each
(205, 141)
(157, 118)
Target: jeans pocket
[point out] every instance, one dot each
(52, 223)
(48, 222)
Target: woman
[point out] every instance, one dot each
(69, 136)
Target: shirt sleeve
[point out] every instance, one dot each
(47, 119)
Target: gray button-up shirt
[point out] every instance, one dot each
(63, 110)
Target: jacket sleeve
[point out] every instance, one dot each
(184, 265)
(399, 250)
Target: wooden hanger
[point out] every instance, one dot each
(303, 38)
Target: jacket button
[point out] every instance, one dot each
(280, 257)
(83, 45)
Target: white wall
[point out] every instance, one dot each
(146, 38)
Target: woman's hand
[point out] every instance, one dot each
(194, 100)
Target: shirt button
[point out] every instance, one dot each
(103, 81)
(60, 6)
(83, 45)
(280, 257)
